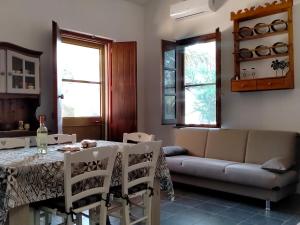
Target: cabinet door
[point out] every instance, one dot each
(2, 72)
(23, 74)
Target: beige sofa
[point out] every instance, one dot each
(231, 160)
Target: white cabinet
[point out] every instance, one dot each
(2, 72)
(19, 71)
(22, 73)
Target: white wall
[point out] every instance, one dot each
(28, 23)
(276, 110)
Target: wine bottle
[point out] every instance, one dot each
(42, 136)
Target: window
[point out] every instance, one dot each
(191, 81)
(81, 80)
(169, 82)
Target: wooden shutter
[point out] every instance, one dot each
(56, 42)
(169, 83)
(218, 74)
(122, 90)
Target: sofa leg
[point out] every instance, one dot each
(268, 205)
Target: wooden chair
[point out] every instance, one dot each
(137, 137)
(86, 199)
(137, 186)
(9, 143)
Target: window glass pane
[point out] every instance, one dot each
(200, 105)
(81, 100)
(170, 82)
(200, 63)
(170, 108)
(170, 59)
(80, 63)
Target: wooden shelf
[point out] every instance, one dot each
(259, 36)
(18, 96)
(263, 57)
(254, 13)
(17, 133)
(262, 84)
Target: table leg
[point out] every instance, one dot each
(21, 215)
(156, 204)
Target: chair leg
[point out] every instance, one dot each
(48, 218)
(37, 218)
(125, 212)
(79, 219)
(268, 205)
(103, 214)
(147, 211)
(69, 220)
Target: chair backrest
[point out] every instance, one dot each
(54, 139)
(102, 157)
(137, 137)
(139, 164)
(9, 143)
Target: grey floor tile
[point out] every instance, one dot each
(237, 214)
(183, 200)
(262, 220)
(216, 220)
(212, 208)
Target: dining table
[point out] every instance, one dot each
(27, 177)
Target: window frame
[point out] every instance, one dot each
(180, 90)
(79, 39)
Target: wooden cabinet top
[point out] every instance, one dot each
(10, 46)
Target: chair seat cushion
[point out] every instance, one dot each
(199, 167)
(117, 190)
(254, 175)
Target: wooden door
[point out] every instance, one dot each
(57, 90)
(123, 90)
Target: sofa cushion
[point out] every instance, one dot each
(265, 145)
(278, 164)
(226, 145)
(254, 175)
(199, 167)
(192, 139)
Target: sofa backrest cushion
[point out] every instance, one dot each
(265, 145)
(226, 145)
(192, 139)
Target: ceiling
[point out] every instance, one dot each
(140, 2)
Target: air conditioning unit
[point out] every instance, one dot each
(191, 7)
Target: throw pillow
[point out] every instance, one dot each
(278, 164)
(174, 150)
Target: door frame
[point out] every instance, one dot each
(93, 40)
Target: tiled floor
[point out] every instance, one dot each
(195, 206)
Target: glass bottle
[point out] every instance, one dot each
(42, 136)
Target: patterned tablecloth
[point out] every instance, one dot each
(27, 177)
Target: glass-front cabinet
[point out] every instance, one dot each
(23, 75)
(2, 72)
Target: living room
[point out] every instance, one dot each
(248, 116)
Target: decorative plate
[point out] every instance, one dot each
(261, 28)
(262, 50)
(279, 25)
(280, 48)
(245, 32)
(245, 53)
